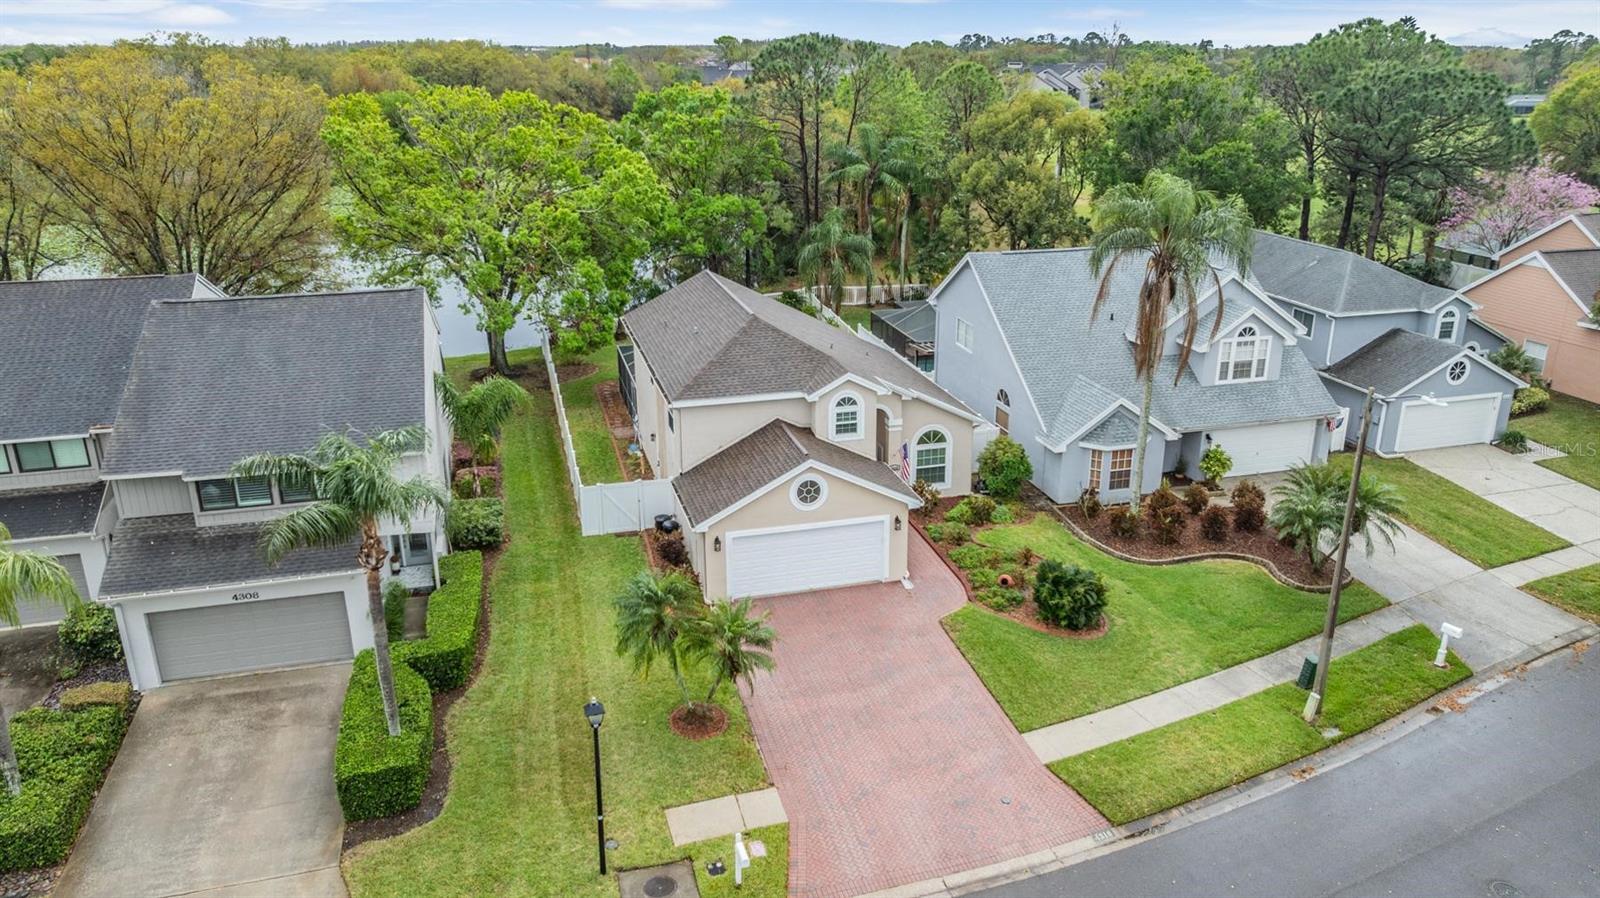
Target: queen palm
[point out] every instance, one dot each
(26, 575)
(870, 163)
(356, 489)
(653, 614)
(830, 251)
(734, 640)
(1173, 233)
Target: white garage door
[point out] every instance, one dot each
(220, 639)
(1461, 421)
(762, 563)
(35, 611)
(1267, 447)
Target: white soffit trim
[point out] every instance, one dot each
(807, 465)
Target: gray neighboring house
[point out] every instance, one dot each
(143, 392)
(1368, 325)
(1017, 342)
(908, 329)
(1080, 81)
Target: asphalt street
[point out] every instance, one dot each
(1502, 800)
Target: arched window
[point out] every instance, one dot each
(932, 457)
(1003, 397)
(845, 417)
(1458, 371)
(1472, 346)
(1243, 356)
(1447, 325)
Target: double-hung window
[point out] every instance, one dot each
(1121, 469)
(51, 455)
(5, 460)
(237, 492)
(1305, 319)
(1243, 356)
(964, 334)
(933, 458)
(1097, 459)
(846, 418)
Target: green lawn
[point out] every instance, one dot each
(1169, 624)
(1196, 756)
(1576, 591)
(1466, 524)
(1573, 426)
(597, 462)
(854, 315)
(519, 819)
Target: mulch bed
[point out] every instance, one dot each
(634, 467)
(29, 883)
(696, 727)
(1262, 544)
(538, 376)
(652, 548)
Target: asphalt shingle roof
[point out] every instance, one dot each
(1580, 270)
(709, 338)
(1118, 429)
(1334, 280)
(1076, 368)
(216, 380)
(51, 511)
(1393, 361)
(66, 347)
(762, 457)
(169, 552)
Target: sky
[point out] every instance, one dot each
(561, 22)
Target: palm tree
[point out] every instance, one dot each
(653, 614)
(830, 252)
(870, 163)
(476, 415)
(26, 575)
(734, 641)
(355, 488)
(1173, 232)
(1378, 508)
(1304, 516)
(1310, 510)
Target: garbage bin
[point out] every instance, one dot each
(1308, 672)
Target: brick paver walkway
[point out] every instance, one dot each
(894, 763)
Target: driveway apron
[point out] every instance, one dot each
(1559, 504)
(893, 761)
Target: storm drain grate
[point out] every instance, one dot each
(660, 886)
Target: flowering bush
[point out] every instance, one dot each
(1502, 209)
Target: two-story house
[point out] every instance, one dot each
(1018, 340)
(140, 395)
(791, 444)
(1422, 349)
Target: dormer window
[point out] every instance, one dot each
(51, 455)
(1243, 357)
(1447, 325)
(845, 417)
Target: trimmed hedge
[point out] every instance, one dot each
(476, 523)
(63, 757)
(444, 656)
(377, 775)
(88, 634)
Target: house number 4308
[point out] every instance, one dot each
(245, 596)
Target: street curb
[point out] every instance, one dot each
(1238, 795)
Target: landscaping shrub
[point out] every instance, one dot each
(1528, 400)
(476, 523)
(1166, 523)
(930, 497)
(1514, 441)
(88, 634)
(673, 551)
(1089, 504)
(1002, 515)
(1196, 498)
(973, 510)
(395, 597)
(1000, 598)
(1004, 467)
(1162, 500)
(1069, 596)
(972, 557)
(115, 693)
(1125, 524)
(1249, 507)
(63, 757)
(950, 533)
(796, 300)
(444, 656)
(375, 774)
(474, 482)
(1214, 523)
(1215, 463)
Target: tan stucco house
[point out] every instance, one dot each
(791, 444)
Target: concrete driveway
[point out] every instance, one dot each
(223, 789)
(1561, 505)
(894, 763)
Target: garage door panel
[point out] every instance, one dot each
(775, 562)
(1267, 447)
(38, 611)
(1457, 423)
(232, 638)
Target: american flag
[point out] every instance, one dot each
(905, 463)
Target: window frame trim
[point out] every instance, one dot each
(947, 443)
(833, 417)
(55, 465)
(1261, 355)
(1449, 314)
(1112, 471)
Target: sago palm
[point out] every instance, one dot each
(34, 576)
(653, 613)
(1172, 232)
(830, 251)
(356, 489)
(735, 641)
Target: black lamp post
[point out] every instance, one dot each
(596, 712)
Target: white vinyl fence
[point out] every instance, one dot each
(607, 507)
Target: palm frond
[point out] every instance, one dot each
(31, 575)
(321, 524)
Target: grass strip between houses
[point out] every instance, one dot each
(591, 438)
(1573, 426)
(1169, 624)
(1576, 591)
(519, 819)
(1199, 755)
(1456, 518)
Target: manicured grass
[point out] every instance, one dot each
(1576, 591)
(767, 877)
(1573, 426)
(590, 436)
(519, 819)
(854, 315)
(1196, 756)
(1466, 524)
(1169, 624)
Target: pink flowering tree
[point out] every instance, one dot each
(1504, 208)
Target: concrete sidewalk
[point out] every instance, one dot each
(725, 816)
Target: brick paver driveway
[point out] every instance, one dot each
(893, 761)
